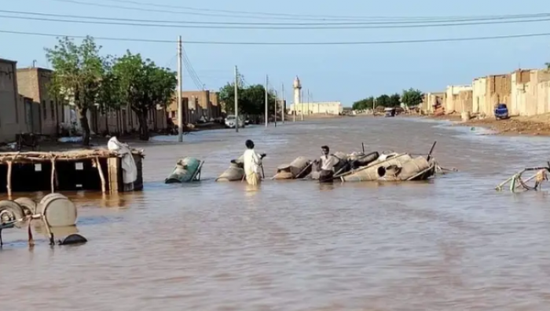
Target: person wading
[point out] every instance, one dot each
(328, 162)
(252, 164)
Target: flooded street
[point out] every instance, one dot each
(453, 243)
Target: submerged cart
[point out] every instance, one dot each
(54, 214)
(187, 170)
(517, 183)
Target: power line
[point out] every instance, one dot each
(264, 15)
(435, 40)
(271, 26)
(192, 73)
(424, 23)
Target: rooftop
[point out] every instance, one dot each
(33, 69)
(3, 60)
(35, 156)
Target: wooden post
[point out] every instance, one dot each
(101, 176)
(53, 175)
(9, 178)
(114, 180)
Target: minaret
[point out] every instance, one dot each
(297, 92)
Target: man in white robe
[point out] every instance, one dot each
(252, 164)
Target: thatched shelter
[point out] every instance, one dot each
(95, 169)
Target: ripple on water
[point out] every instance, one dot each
(449, 244)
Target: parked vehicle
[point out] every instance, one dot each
(501, 112)
(390, 111)
(230, 121)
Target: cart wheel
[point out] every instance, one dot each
(10, 211)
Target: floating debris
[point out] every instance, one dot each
(516, 182)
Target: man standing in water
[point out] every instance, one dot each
(328, 162)
(252, 164)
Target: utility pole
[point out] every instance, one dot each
(283, 103)
(236, 99)
(266, 99)
(308, 102)
(275, 109)
(178, 95)
(301, 105)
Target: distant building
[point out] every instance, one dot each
(34, 83)
(299, 107)
(53, 115)
(334, 108)
(15, 109)
(196, 105)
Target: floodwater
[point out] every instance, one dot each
(450, 244)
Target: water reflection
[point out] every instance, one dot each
(326, 186)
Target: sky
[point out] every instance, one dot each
(344, 73)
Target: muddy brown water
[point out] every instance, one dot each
(449, 244)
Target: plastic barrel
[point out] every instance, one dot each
(58, 210)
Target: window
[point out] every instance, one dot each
(52, 109)
(44, 109)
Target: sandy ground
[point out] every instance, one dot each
(534, 126)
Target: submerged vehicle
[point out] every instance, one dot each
(187, 169)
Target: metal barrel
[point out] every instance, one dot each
(28, 205)
(58, 210)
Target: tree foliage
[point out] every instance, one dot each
(412, 97)
(364, 104)
(383, 100)
(109, 95)
(395, 100)
(251, 99)
(77, 76)
(143, 85)
(88, 80)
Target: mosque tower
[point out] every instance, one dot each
(297, 91)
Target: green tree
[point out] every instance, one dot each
(363, 104)
(251, 99)
(78, 71)
(383, 100)
(395, 100)
(109, 96)
(411, 97)
(143, 86)
(227, 97)
(254, 100)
